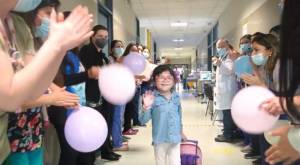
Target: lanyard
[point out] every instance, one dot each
(12, 38)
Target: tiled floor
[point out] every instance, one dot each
(196, 126)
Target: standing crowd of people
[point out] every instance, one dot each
(47, 74)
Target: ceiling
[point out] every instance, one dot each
(157, 16)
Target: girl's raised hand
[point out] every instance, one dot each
(148, 99)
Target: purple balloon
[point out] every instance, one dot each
(135, 62)
(85, 129)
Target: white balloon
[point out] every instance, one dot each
(275, 139)
(116, 84)
(294, 137)
(246, 113)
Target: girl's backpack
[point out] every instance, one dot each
(190, 153)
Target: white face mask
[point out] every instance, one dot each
(26, 5)
(146, 54)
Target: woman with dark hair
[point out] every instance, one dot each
(264, 55)
(131, 106)
(38, 20)
(289, 88)
(116, 52)
(72, 75)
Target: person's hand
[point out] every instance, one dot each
(216, 61)
(73, 31)
(283, 151)
(64, 99)
(93, 72)
(138, 81)
(252, 79)
(148, 99)
(272, 106)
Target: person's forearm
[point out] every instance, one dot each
(297, 102)
(33, 80)
(43, 100)
(76, 78)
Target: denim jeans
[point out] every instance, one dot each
(229, 125)
(117, 126)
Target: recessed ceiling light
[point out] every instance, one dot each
(178, 40)
(178, 48)
(179, 24)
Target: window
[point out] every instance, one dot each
(137, 30)
(105, 19)
(212, 39)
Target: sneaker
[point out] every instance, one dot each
(134, 130)
(126, 137)
(124, 140)
(252, 155)
(246, 149)
(223, 139)
(122, 148)
(257, 161)
(130, 132)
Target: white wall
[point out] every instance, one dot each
(249, 16)
(124, 21)
(202, 54)
(67, 5)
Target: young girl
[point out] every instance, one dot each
(164, 108)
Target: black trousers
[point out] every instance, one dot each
(136, 101)
(229, 125)
(68, 155)
(106, 110)
(128, 115)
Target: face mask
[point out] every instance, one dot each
(26, 5)
(221, 52)
(245, 48)
(146, 55)
(259, 59)
(118, 52)
(42, 31)
(100, 42)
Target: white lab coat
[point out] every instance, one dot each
(226, 85)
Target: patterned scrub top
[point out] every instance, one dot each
(25, 130)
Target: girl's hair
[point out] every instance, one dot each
(290, 60)
(247, 36)
(162, 68)
(270, 42)
(128, 48)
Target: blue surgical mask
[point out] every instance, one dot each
(221, 52)
(259, 59)
(26, 5)
(42, 31)
(245, 48)
(118, 52)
